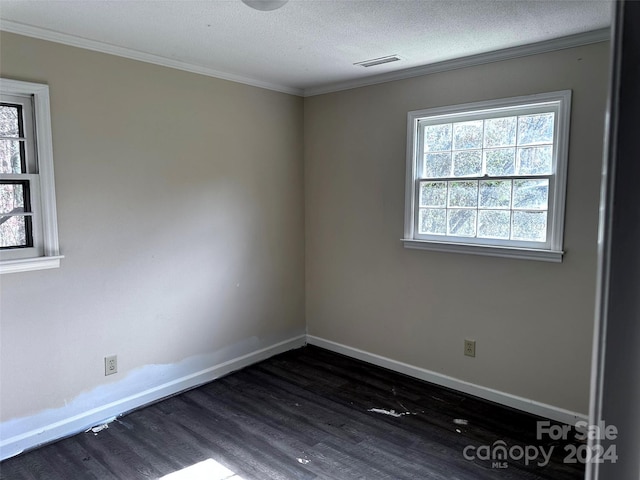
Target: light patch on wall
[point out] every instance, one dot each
(140, 387)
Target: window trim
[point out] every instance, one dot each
(50, 257)
(555, 251)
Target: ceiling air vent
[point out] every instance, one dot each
(379, 61)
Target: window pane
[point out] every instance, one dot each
(531, 194)
(467, 163)
(495, 193)
(9, 121)
(462, 223)
(494, 224)
(467, 135)
(535, 129)
(12, 198)
(535, 160)
(500, 132)
(433, 194)
(437, 138)
(437, 165)
(433, 221)
(530, 226)
(15, 231)
(463, 194)
(500, 162)
(11, 157)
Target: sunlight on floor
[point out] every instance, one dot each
(205, 470)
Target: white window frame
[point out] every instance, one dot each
(551, 250)
(45, 252)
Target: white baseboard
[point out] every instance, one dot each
(507, 399)
(80, 422)
(76, 423)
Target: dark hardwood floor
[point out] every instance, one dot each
(305, 414)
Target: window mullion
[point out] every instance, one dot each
(485, 177)
(21, 139)
(416, 210)
(17, 214)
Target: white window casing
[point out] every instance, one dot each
(458, 200)
(39, 176)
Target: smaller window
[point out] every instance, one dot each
(28, 228)
(490, 177)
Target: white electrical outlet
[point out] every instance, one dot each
(110, 365)
(470, 348)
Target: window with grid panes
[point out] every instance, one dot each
(489, 177)
(28, 231)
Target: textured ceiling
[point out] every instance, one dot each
(306, 44)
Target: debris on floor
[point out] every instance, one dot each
(391, 413)
(99, 428)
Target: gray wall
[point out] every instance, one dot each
(180, 207)
(533, 321)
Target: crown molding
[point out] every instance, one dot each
(73, 41)
(577, 40)
(586, 38)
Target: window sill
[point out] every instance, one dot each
(29, 264)
(489, 250)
